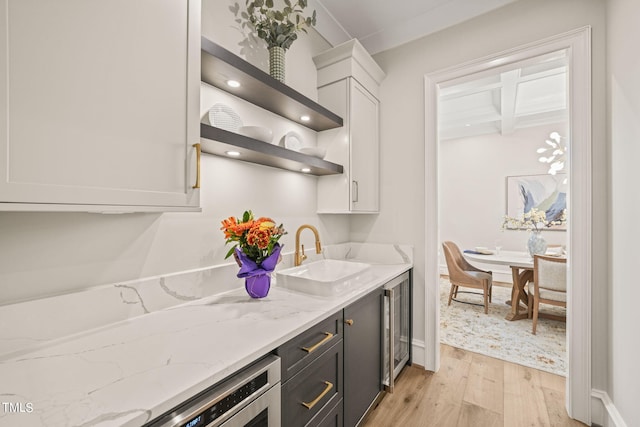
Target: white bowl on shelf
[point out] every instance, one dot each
(318, 152)
(260, 133)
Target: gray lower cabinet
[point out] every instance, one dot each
(317, 386)
(297, 353)
(332, 372)
(362, 356)
(312, 369)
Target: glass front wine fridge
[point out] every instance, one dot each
(397, 339)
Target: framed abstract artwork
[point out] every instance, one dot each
(547, 193)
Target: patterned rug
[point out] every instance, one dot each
(467, 327)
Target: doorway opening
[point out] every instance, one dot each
(576, 44)
(502, 146)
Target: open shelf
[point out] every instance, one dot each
(257, 87)
(218, 141)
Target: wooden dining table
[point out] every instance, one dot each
(521, 264)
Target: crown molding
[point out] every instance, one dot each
(328, 26)
(444, 15)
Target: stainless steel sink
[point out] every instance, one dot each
(328, 277)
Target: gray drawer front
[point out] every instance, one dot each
(328, 417)
(294, 357)
(310, 383)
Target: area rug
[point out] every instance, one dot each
(467, 327)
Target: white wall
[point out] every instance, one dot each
(48, 253)
(623, 87)
(472, 187)
(402, 128)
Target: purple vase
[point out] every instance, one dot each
(258, 286)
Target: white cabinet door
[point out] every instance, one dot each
(364, 149)
(99, 104)
(355, 146)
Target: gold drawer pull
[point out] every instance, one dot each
(328, 336)
(313, 403)
(349, 322)
(198, 154)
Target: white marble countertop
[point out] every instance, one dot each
(132, 371)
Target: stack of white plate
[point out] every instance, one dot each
(223, 117)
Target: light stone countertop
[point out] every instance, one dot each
(132, 371)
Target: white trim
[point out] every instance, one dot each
(328, 26)
(417, 352)
(577, 44)
(443, 16)
(603, 405)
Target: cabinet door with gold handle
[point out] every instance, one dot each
(316, 388)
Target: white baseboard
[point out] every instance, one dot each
(603, 410)
(417, 352)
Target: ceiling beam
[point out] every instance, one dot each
(508, 97)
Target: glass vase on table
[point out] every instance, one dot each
(536, 245)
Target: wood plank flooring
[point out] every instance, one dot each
(473, 390)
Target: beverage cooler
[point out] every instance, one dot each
(397, 327)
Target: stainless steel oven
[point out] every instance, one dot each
(250, 398)
(397, 337)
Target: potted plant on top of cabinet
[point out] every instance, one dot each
(278, 28)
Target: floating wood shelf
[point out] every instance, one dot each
(257, 87)
(219, 141)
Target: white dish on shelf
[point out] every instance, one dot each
(223, 117)
(318, 152)
(260, 133)
(293, 141)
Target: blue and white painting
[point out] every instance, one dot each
(547, 193)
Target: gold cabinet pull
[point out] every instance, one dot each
(313, 403)
(349, 322)
(328, 336)
(198, 154)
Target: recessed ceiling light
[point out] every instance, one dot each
(306, 170)
(233, 83)
(305, 118)
(232, 153)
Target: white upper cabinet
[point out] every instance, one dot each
(348, 81)
(99, 105)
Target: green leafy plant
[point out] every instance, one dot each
(278, 27)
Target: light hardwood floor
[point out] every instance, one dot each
(473, 390)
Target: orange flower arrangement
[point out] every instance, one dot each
(257, 239)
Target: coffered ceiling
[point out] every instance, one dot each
(512, 98)
(516, 97)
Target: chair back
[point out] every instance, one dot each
(550, 273)
(456, 264)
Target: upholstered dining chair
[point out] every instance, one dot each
(461, 273)
(549, 286)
